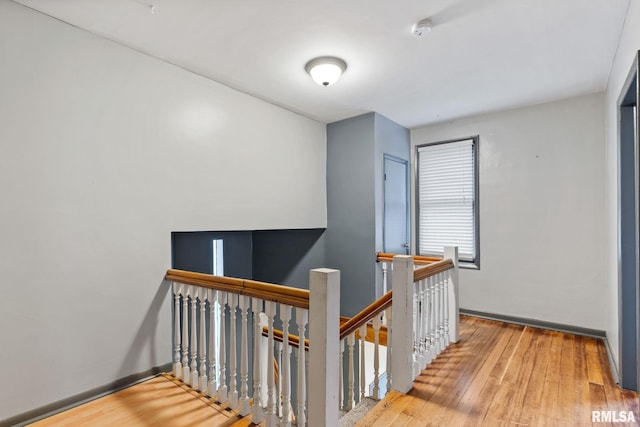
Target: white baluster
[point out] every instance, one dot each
(285, 368)
(451, 252)
(301, 317)
(415, 368)
(233, 385)
(428, 316)
(203, 341)
(376, 357)
(385, 287)
(363, 377)
(441, 285)
(388, 316)
(214, 321)
(437, 310)
(186, 374)
(279, 381)
(271, 415)
(341, 402)
(432, 319)
(445, 282)
(194, 338)
(243, 403)
(223, 391)
(350, 398)
(421, 327)
(177, 366)
(425, 322)
(264, 358)
(287, 402)
(257, 413)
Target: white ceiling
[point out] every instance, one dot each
(482, 55)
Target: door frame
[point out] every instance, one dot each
(407, 195)
(628, 210)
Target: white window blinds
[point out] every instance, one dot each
(446, 198)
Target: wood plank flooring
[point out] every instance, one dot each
(502, 374)
(499, 374)
(161, 401)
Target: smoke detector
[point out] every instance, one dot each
(421, 28)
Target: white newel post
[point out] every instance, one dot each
(324, 342)
(402, 306)
(451, 252)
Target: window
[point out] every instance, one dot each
(447, 193)
(218, 257)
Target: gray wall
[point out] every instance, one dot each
(355, 150)
(393, 139)
(350, 237)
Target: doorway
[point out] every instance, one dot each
(628, 229)
(396, 205)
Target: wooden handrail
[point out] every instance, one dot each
(376, 307)
(267, 291)
(417, 259)
(431, 269)
(294, 340)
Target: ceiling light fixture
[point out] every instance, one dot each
(326, 70)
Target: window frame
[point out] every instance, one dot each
(475, 264)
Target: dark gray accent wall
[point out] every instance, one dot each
(286, 256)
(193, 251)
(276, 256)
(350, 236)
(628, 186)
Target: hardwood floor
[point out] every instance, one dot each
(499, 374)
(502, 374)
(161, 401)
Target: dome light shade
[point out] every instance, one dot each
(326, 70)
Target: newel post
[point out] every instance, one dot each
(324, 341)
(402, 309)
(451, 252)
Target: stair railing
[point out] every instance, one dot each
(421, 310)
(358, 335)
(212, 313)
(426, 314)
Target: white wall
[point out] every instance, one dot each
(104, 152)
(541, 211)
(627, 50)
